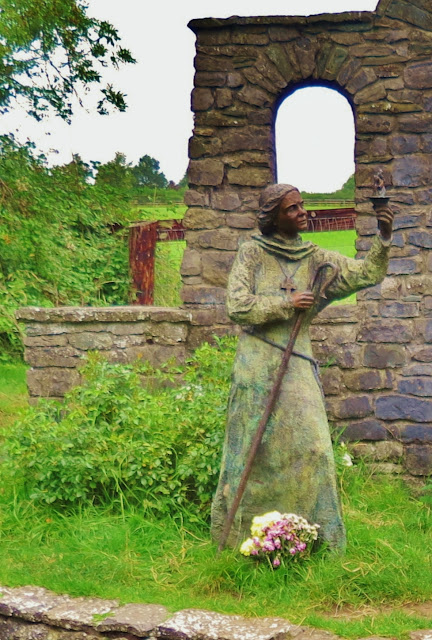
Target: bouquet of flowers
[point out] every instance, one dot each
(280, 537)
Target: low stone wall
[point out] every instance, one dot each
(365, 371)
(33, 613)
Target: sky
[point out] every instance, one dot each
(158, 121)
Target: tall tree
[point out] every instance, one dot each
(50, 51)
(115, 173)
(147, 173)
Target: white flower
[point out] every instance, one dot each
(247, 547)
(347, 460)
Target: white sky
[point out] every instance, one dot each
(158, 121)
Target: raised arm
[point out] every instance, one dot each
(243, 304)
(359, 274)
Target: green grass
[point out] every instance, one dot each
(13, 392)
(140, 559)
(157, 212)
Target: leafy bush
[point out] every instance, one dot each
(115, 440)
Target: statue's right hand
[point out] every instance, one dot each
(303, 300)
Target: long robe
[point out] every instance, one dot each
(294, 470)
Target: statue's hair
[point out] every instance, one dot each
(269, 202)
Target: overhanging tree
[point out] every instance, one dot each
(51, 52)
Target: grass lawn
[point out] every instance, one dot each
(137, 558)
(13, 391)
(120, 551)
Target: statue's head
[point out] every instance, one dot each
(269, 203)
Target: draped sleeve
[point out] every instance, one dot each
(357, 274)
(244, 306)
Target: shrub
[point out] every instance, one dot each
(115, 440)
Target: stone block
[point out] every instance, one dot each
(224, 239)
(223, 97)
(347, 71)
(382, 356)
(417, 370)
(155, 354)
(380, 451)
(369, 123)
(418, 459)
(372, 93)
(346, 357)
(369, 429)
(335, 334)
(198, 335)
(352, 407)
(206, 172)
(59, 340)
(204, 146)
(413, 433)
(420, 239)
(405, 221)
(193, 198)
(366, 225)
(78, 613)
(136, 619)
(394, 309)
(241, 220)
(416, 123)
(51, 381)
(89, 341)
(209, 316)
(422, 354)
(63, 357)
(195, 624)
(191, 263)
(412, 170)
(337, 314)
(210, 79)
(250, 176)
(216, 266)
(225, 200)
(417, 386)
(311, 56)
(249, 138)
(334, 62)
(403, 266)
(203, 295)
(384, 468)
(402, 407)
(368, 380)
(331, 378)
(401, 144)
(361, 79)
(201, 99)
(386, 331)
(418, 75)
(283, 33)
(197, 218)
(255, 96)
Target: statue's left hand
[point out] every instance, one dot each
(385, 222)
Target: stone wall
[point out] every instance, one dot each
(380, 383)
(56, 340)
(361, 378)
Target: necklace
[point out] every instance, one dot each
(287, 283)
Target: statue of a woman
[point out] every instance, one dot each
(294, 470)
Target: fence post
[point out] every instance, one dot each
(142, 246)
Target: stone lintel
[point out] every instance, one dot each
(239, 21)
(102, 314)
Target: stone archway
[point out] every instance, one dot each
(381, 61)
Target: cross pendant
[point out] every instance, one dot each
(288, 284)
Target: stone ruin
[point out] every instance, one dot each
(379, 382)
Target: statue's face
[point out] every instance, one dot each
(292, 216)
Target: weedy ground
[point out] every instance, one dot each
(121, 551)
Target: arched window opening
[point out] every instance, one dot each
(315, 137)
(315, 140)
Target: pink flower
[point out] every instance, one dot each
(293, 551)
(301, 546)
(276, 562)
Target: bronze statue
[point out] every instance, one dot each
(293, 470)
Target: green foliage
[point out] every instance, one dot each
(114, 440)
(147, 173)
(63, 241)
(50, 50)
(346, 192)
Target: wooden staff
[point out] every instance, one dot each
(299, 316)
